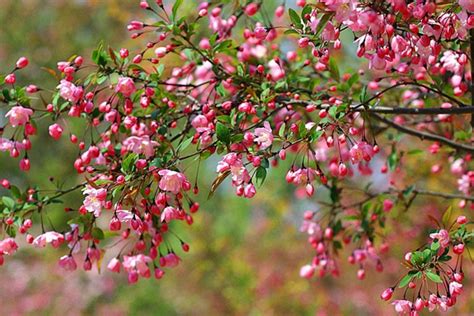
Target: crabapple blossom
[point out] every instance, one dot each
(245, 96)
(51, 237)
(19, 115)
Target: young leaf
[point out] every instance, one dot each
(434, 277)
(175, 8)
(260, 176)
(406, 279)
(334, 69)
(223, 133)
(295, 18)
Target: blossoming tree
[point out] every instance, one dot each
(254, 90)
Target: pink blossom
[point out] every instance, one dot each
(55, 131)
(307, 271)
(455, 288)
(126, 86)
(22, 62)
(140, 145)
(361, 151)
(171, 260)
(94, 200)
(402, 306)
(387, 205)
(8, 246)
(264, 136)
(6, 144)
(442, 236)
(51, 237)
(138, 264)
(169, 213)
(173, 181)
(276, 71)
(68, 263)
(69, 91)
(114, 265)
(467, 5)
(19, 115)
(387, 294)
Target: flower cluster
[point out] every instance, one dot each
(256, 96)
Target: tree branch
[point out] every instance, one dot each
(398, 110)
(424, 135)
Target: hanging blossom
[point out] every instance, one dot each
(94, 200)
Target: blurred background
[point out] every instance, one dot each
(245, 255)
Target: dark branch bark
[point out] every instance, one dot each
(399, 110)
(424, 135)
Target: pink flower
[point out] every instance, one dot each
(169, 213)
(68, 263)
(455, 288)
(55, 131)
(251, 9)
(467, 5)
(51, 237)
(361, 151)
(442, 236)
(402, 306)
(114, 265)
(276, 71)
(94, 200)
(19, 115)
(307, 271)
(126, 86)
(8, 246)
(387, 205)
(264, 136)
(387, 294)
(173, 181)
(140, 145)
(6, 144)
(249, 191)
(22, 62)
(128, 217)
(171, 260)
(138, 264)
(69, 91)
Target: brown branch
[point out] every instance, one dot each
(423, 135)
(397, 110)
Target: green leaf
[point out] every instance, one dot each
(223, 133)
(353, 79)
(185, 144)
(128, 162)
(8, 202)
(260, 176)
(434, 246)
(306, 10)
(334, 69)
(447, 216)
(295, 18)
(406, 279)
(415, 152)
(281, 131)
(97, 233)
(434, 277)
(322, 23)
(15, 192)
(392, 161)
(417, 258)
(175, 8)
(363, 97)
